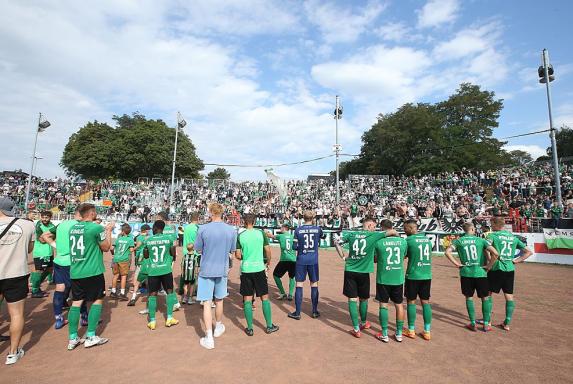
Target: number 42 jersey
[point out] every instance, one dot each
(160, 259)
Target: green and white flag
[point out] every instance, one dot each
(558, 238)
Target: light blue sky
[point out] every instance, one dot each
(256, 80)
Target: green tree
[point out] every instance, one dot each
(519, 157)
(564, 139)
(430, 138)
(90, 152)
(218, 174)
(136, 147)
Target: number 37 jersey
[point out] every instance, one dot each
(160, 259)
(419, 255)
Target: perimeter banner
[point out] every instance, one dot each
(558, 238)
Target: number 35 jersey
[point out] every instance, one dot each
(160, 260)
(419, 254)
(390, 252)
(361, 246)
(85, 254)
(307, 239)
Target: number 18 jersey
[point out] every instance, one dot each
(471, 253)
(160, 259)
(419, 257)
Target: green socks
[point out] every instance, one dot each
(152, 306)
(383, 316)
(399, 326)
(35, 278)
(248, 310)
(45, 275)
(279, 284)
(363, 310)
(267, 313)
(291, 285)
(472, 311)
(93, 319)
(73, 322)
(509, 308)
(427, 312)
(353, 309)
(170, 300)
(411, 309)
(486, 310)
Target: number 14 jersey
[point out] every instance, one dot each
(160, 259)
(419, 257)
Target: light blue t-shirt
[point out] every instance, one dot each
(215, 241)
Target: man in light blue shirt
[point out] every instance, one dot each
(215, 241)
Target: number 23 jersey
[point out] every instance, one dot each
(419, 255)
(160, 260)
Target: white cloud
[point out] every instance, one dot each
(397, 32)
(437, 12)
(534, 150)
(74, 74)
(236, 18)
(469, 41)
(341, 25)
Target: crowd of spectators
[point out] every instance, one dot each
(525, 192)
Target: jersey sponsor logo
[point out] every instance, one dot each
(12, 236)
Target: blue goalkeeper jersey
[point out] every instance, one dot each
(307, 238)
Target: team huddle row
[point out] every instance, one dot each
(486, 266)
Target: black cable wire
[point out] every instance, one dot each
(350, 155)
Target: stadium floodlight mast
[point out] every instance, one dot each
(546, 76)
(337, 147)
(43, 124)
(181, 123)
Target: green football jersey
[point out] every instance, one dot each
(251, 242)
(171, 230)
(390, 253)
(471, 253)
(42, 250)
(86, 256)
(160, 259)
(189, 236)
(419, 255)
(361, 247)
(122, 248)
(286, 242)
(141, 238)
(62, 232)
(505, 244)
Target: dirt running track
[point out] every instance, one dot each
(538, 349)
